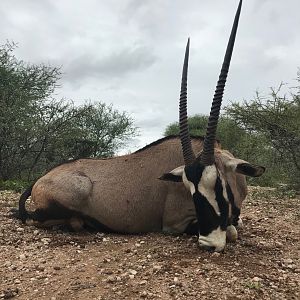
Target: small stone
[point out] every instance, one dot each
(46, 241)
(149, 256)
(22, 256)
(216, 254)
(142, 282)
(133, 272)
(111, 279)
(273, 286)
(256, 279)
(144, 294)
(297, 270)
(131, 276)
(291, 266)
(287, 261)
(7, 264)
(40, 269)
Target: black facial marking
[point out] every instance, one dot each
(56, 211)
(194, 173)
(235, 211)
(250, 170)
(223, 204)
(208, 219)
(192, 228)
(171, 177)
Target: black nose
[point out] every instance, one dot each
(208, 248)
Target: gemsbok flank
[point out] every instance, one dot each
(133, 193)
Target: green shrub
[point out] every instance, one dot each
(14, 185)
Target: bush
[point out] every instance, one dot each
(38, 132)
(14, 185)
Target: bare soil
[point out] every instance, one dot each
(263, 264)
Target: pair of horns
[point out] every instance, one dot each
(207, 155)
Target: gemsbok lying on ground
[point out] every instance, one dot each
(134, 194)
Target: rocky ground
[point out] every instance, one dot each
(263, 264)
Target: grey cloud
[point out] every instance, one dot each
(115, 65)
(129, 52)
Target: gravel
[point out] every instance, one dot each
(55, 264)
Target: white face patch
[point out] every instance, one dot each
(188, 184)
(206, 186)
(217, 239)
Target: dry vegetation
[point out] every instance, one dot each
(263, 264)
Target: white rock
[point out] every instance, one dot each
(256, 279)
(133, 272)
(287, 261)
(144, 294)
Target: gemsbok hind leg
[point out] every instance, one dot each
(61, 199)
(56, 215)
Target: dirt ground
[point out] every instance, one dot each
(263, 264)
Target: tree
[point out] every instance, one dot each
(228, 132)
(265, 131)
(23, 87)
(37, 131)
(276, 118)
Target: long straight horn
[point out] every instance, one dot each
(186, 145)
(207, 156)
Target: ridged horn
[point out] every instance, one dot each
(207, 156)
(186, 145)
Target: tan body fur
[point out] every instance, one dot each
(124, 193)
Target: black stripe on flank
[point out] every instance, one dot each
(235, 210)
(56, 211)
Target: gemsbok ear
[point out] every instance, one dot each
(249, 170)
(174, 175)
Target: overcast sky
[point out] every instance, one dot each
(129, 53)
